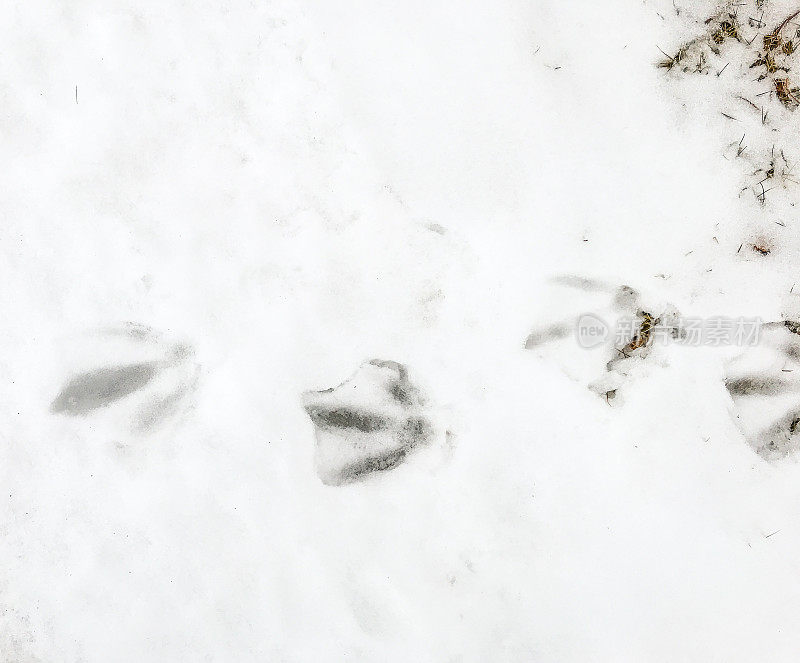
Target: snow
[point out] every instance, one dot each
(294, 188)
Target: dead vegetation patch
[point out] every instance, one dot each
(752, 50)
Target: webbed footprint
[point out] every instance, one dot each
(131, 373)
(603, 333)
(764, 386)
(370, 423)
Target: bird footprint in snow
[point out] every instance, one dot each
(370, 423)
(132, 368)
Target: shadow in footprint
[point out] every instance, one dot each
(759, 385)
(96, 389)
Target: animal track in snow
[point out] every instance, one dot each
(131, 370)
(628, 326)
(369, 423)
(764, 385)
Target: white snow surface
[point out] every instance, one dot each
(293, 188)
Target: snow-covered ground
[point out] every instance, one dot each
(251, 199)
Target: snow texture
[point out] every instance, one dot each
(214, 212)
